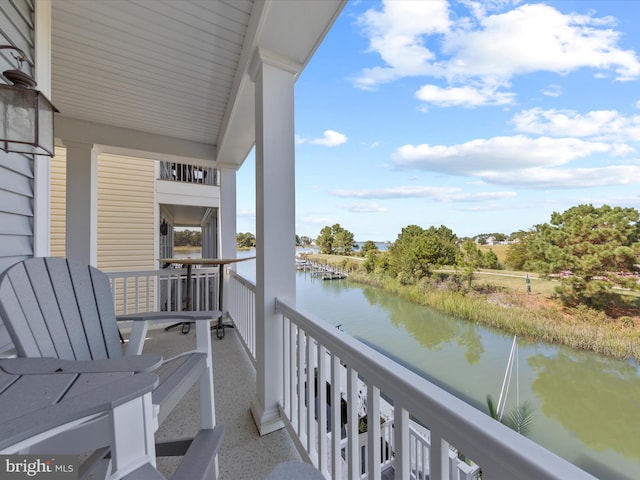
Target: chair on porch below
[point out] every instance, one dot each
(54, 307)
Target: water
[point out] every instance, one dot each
(587, 407)
(187, 252)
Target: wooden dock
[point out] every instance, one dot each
(321, 270)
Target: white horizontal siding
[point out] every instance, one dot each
(58, 203)
(126, 226)
(16, 171)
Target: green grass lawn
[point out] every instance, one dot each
(516, 281)
(499, 250)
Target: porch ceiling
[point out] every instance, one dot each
(137, 73)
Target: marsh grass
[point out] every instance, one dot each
(533, 316)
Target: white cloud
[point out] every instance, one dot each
(599, 124)
(466, 96)
(396, 192)
(317, 220)
(421, 38)
(371, 145)
(537, 38)
(567, 178)
(330, 138)
(552, 91)
(479, 156)
(246, 213)
(371, 207)
(396, 33)
(440, 194)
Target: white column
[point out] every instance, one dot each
(275, 227)
(227, 213)
(227, 225)
(82, 202)
(41, 163)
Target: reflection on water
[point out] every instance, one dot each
(587, 408)
(187, 252)
(426, 325)
(592, 399)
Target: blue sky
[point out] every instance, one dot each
(482, 116)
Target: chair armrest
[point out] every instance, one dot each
(159, 316)
(101, 399)
(44, 365)
(199, 461)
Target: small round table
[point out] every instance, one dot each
(190, 262)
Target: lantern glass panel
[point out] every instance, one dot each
(26, 121)
(45, 138)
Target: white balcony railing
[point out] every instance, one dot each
(184, 172)
(333, 384)
(317, 354)
(241, 302)
(164, 290)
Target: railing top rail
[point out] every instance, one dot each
(164, 272)
(247, 283)
(502, 452)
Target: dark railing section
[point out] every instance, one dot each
(184, 172)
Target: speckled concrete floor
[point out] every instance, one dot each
(244, 454)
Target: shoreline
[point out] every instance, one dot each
(511, 313)
(533, 316)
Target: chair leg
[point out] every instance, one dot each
(207, 401)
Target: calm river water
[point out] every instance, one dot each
(587, 407)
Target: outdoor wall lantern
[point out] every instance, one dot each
(26, 114)
(164, 227)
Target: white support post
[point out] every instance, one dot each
(227, 226)
(82, 202)
(41, 164)
(227, 213)
(275, 227)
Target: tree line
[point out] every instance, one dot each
(187, 238)
(590, 250)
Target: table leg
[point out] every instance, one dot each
(220, 325)
(186, 326)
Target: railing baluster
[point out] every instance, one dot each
(322, 409)
(353, 445)
(373, 431)
(136, 294)
(401, 443)
(125, 292)
(438, 458)
(286, 367)
(301, 390)
(148, 291)
(336, 418)
(295, 391)
(311, 398)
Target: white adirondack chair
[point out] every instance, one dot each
(54, 307)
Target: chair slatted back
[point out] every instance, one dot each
(55, 307)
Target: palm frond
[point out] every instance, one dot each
(520, 418)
